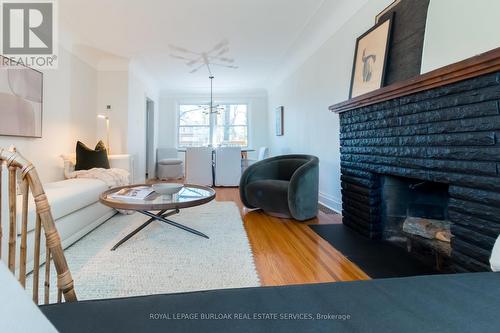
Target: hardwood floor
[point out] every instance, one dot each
(289, 252)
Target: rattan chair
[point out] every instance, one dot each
(17, 166)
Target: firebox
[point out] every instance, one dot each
(415, 215)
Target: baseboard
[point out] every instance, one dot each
(330, 202)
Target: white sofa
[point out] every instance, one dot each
(75, 207)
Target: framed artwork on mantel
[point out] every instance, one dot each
(21, 100)
(279, 120)
(386, 10)
(370, 59)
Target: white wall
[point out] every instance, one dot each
(126, 88)
(69, 114)
(74, 94)
(167, 137)
(257, 109)
(112, 89)
(459, 29)
(456, 29)
(322, 80)
(140, 87)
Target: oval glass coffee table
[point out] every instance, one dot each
(164, 205)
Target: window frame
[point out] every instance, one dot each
(212, 127)
(178, 122)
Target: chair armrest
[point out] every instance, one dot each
(257, 171)
(303, 192)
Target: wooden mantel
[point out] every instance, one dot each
(479, 65)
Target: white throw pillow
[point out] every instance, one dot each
(495, 256)
(69, 164)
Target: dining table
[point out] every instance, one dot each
(244, 151)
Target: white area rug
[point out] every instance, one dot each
(162, 258)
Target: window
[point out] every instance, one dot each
(194, 126)
(229, 126)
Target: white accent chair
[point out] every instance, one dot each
(227, 166)
(199, 166)
(263, 154)
(169, 166)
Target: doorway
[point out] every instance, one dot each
(150, 135)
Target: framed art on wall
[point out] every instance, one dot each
(21, 100)
(279, 120)
(370, 59)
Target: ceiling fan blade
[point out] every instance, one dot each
(177, 48)
(221, 52)
(224, 65)
(182, 49)
(194, 62)
(219, 46)
(197, 69)
(224, 59)
(175, 56)
(227, 60)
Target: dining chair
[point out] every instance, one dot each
(16, 169)
(263, 154)
(227, 166)
(199, 166)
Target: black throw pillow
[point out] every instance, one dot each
(87, 158)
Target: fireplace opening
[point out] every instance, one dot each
(415, 216)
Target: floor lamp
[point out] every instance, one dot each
(103, 116)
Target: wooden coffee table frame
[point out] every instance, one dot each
(164, 210)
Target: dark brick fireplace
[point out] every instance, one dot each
(443, 140)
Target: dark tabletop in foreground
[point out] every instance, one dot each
(439, 303)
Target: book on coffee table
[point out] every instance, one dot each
(133, 193)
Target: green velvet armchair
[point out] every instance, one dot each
(283, 186)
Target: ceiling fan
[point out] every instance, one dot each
(198, 60)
